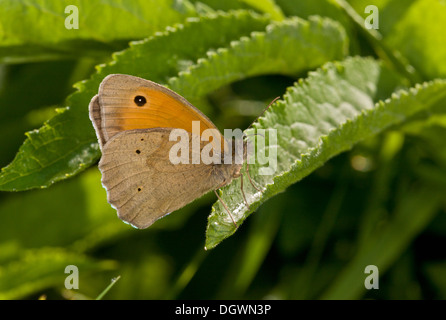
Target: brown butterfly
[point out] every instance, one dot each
(133, 119)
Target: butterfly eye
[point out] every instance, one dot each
(140, 101)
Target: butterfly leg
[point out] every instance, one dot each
(250, 180)
(243, 192)
(226, 207)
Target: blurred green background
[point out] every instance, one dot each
(375, 205)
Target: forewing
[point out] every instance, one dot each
(163, 108)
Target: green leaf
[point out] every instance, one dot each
(226, 5)
(319, 118)
(42, 268)
(263, 6)
(419, 36)
(305, 9)
(288, 47)
(414, 29)
(67, 144)
(382, 50)
(390, 11)
(266, 6)
(323, 8)
(41, 34)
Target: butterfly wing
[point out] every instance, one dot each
(141, 181)
(155, 107)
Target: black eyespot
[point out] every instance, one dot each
(140, 101)
(139, 189)
(142, 139)
(138, 151)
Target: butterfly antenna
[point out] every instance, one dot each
(253, 134)
(277, 98)
(226, 207)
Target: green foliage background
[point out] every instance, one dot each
(361, 125)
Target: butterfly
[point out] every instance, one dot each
(134, 120)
